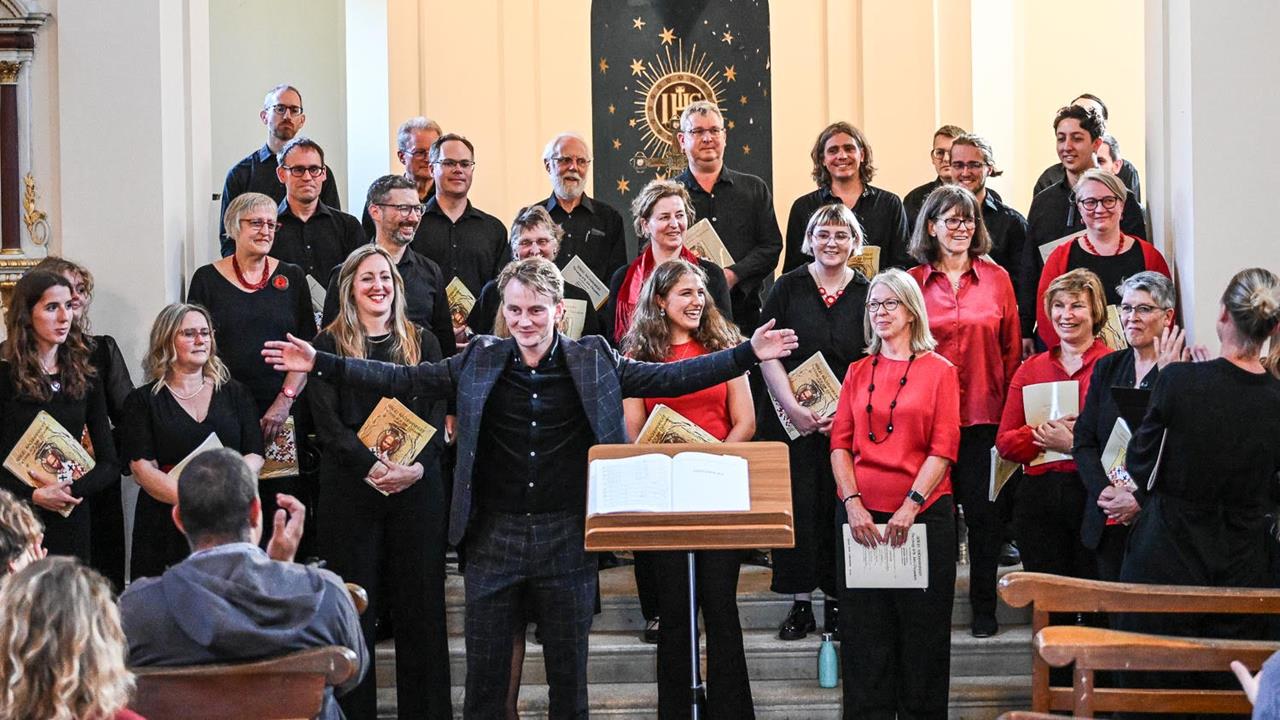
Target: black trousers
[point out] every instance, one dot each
(394, 548)
(646, 572)
(728, 688)
(812, 562)
(516, 560)
(106, 531)
(1046, 517)
(157, 542)
(971, 480)
(895, 653)
(1110, 551)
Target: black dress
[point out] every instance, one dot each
(160, 429)
(393, 546)
(107, 509)
(69, 535)
(836, 332)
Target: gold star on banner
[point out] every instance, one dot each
(632, 122)
(617, 144)
(667, 36)
(730, 74)
(637, 67)
(604, 65)
(746, 149)
(637, 23)
(742, 100)
(624, 185)
(731, 124)
(611, 108)
(727, 37)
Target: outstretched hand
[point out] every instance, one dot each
(770, 344)
(290, 355)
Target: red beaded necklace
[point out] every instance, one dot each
(1089, 246)
(262, 282)
(830, 298)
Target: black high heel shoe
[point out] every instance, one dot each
(799, 621)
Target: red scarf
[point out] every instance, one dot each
(629, 293)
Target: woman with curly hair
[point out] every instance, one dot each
(45, 366)
(189, 395)
(674, 320)
(61, 646)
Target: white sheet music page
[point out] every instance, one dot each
(705, 482)
(635, 484)
(884, 566)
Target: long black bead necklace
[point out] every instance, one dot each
(871, 390)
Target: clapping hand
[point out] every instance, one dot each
(1056, 435)
(770, 344)
(289, 355)
(287, 525)
(1171, 347)
(1248, 681)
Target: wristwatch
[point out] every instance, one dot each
(915, 497)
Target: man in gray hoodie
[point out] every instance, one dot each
(230, 601)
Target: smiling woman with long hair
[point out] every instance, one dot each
(45, 366)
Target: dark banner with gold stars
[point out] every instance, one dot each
(654, 57)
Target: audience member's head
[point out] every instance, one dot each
(282, 113)
(413, 147)
(21, 534)
(940, 153)
(218, 500)
(841, 153)
(567, 160)
(949, 219)
(81, 284)
(534, 233)
(62, 652)
(1251, 310)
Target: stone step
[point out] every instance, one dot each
(758, 607)
(618, 658)
(971, 699)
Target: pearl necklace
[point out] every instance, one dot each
(198, 390)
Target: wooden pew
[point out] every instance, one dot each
(1054, 593)
(286, 687)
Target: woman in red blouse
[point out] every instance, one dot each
(1049, 505)
(973, 315)
(894, 438)
(674, 320)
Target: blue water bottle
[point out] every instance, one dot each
(828, 665)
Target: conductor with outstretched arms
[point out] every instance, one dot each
(529, 408)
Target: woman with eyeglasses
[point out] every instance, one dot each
(1101, 249)
(823, 302)
(893, 441)
(973, 315)
(189, 395)
(251, 298)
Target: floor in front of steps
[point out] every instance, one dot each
(988, 676)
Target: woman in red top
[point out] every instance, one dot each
(675, 320)
(1101, 249)
(973, 315)
(1049, 505)
(894, 438)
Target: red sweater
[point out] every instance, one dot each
(1056, 264)
(1014, 439)
(926, 421)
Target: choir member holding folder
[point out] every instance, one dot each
(1048, 507)
(823, 301)
(189, 395)
(1111, 499)
(973, 315)
(45, 366)
(384, 524)
(675, 320)
(894, 438)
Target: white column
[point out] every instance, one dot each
(367, 101)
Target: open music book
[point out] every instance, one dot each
(885, 566)
(686, 482)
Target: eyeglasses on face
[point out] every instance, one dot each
(260, 225)
(404, 210)
(700, 133)
(823, 236)
(961, 166)
(566, 162)
(193, 333)
(954, 223)
(451, 164)
(1109, 202)
(1142, 310)
(541, 242)
(940, 153)
(298, 171)
(890, 305)
(287, 110)
(419, 154)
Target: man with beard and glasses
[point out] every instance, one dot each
(413, 143)
(283, 115)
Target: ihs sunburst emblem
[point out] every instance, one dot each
(664, 89)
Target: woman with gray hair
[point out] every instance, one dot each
(1110, 507)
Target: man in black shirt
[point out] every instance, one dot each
(282, 114)
(972, 162)
(392, 202)
(940, 155)
(1053, 215)
(311, 234)
(466, 243)
(413, 146)
(739, 206)
(593, 230)
(1126, 172)
(529, 408)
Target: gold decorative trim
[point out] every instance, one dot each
(36, 220)
(9, 70)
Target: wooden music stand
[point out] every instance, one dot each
(769, 523)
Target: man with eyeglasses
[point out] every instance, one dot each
(393, 205)
(593, 230)
(466, 243)
(972, 162)
(413, 143)
(940, 156)
(1053, 218)
(282, 114)
(311, 234)
(739, 206)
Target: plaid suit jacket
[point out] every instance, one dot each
(601, 376)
